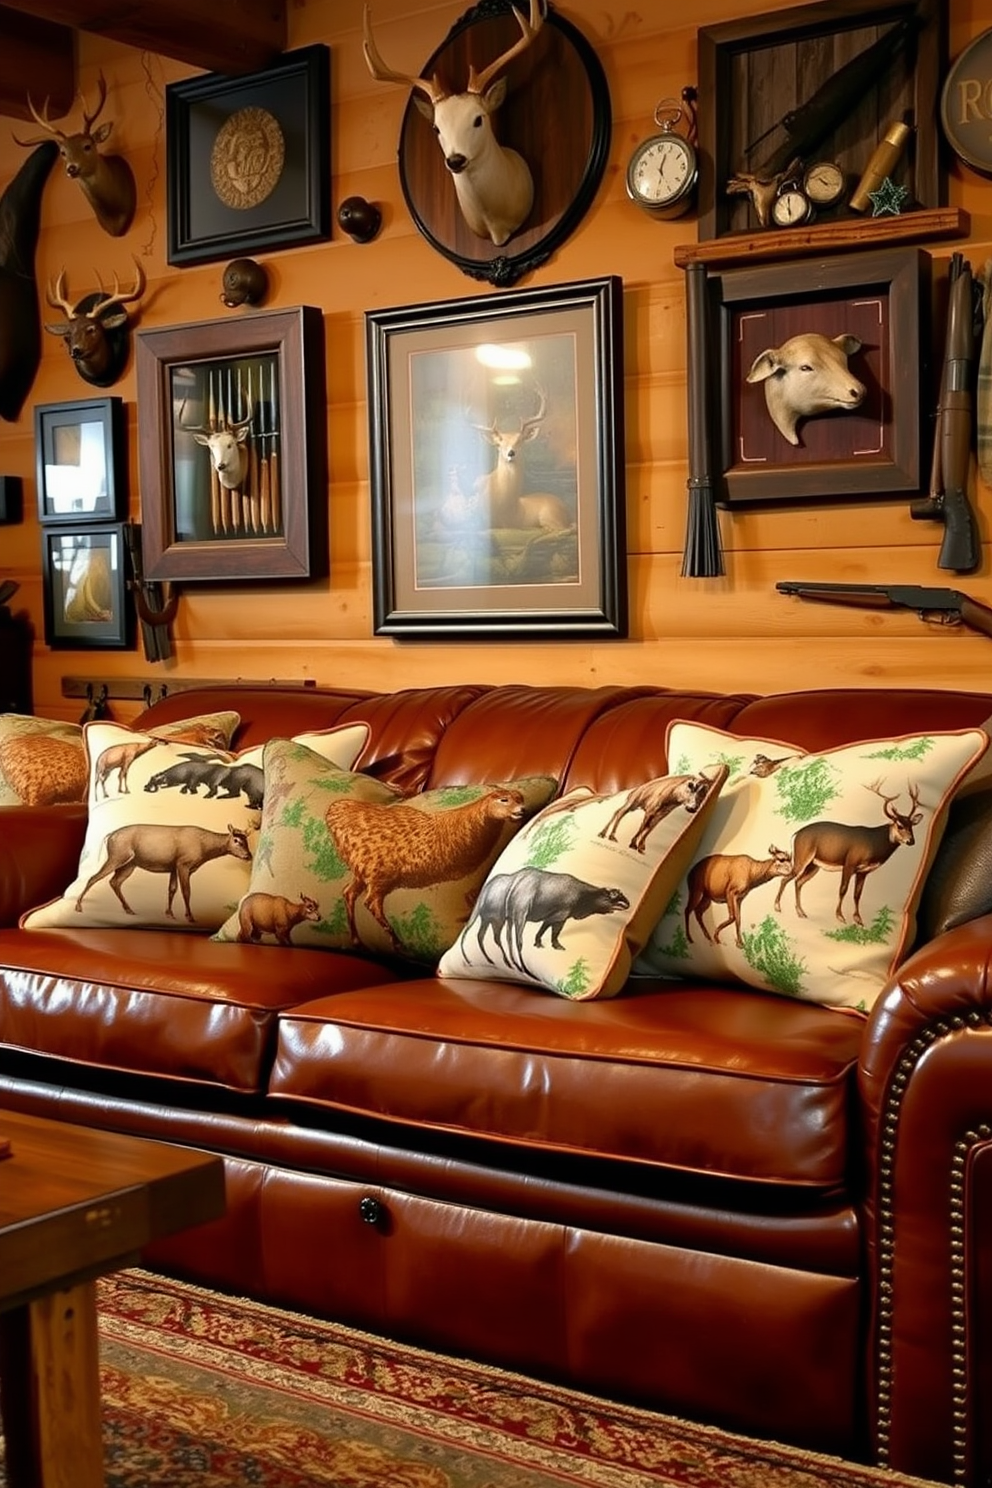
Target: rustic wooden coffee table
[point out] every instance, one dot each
(74, 1205)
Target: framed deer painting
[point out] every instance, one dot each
(232, 448)
(496, 435)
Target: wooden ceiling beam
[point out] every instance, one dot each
(236, 36)
(37, 57)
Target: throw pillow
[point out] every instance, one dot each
(344, 860)
(171, 829)
(810, 869)
(43, 761)
(573, 898)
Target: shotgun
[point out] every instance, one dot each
(944, 606)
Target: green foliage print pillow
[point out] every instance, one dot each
(572, 899)
(343, 861)
(808, 875)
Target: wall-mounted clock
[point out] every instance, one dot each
(663, 172)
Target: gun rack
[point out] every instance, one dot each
(141, 690)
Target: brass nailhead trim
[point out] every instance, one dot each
(886, 1247)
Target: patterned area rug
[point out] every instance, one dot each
(205, 1391)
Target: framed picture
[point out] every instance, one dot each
(248, 159)
(85, 587)
(232, 447)
(80, 461)
(496, 448)
(781, 87)
(869, 444)
(559, 76)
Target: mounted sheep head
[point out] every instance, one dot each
(807, 375)
(107, 180)
(96, 333)
(494, 186)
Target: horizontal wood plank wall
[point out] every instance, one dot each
(729, 633)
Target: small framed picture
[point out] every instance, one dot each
(85, 588)
(81, 461)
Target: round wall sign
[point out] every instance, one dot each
(966, 104)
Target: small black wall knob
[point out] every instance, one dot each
(360, 219)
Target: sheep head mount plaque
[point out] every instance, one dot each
(805, 376)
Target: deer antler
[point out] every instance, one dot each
(55, 295)
(479, 81)
(538, 417)
(41, 119)
(119, 296)
(383, 74)
(90, 119)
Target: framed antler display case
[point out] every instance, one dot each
(232, 448)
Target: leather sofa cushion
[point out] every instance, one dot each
(713, 1081)
(161, 1002)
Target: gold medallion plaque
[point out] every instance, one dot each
(247, 158)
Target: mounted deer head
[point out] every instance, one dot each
(226, 445)
(97, 340)
(107, 180)
(494, 186)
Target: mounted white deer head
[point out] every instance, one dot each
(226, 445)
(494, 186)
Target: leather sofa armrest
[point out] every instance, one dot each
(925, 1083)
(39, 855)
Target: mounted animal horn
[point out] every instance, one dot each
(95, 333)
(107, 180)
(494, 186)
(20, 332)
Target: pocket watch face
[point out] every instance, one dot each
(791, 208)
(823, 183)
(661, 170)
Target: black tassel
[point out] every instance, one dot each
(703, 557)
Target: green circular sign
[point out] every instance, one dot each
(966, 104)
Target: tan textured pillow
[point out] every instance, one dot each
(171, 829)
(43, 761)
(810, 869)
(344, 860)
(574, 896)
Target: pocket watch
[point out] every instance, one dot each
(823, 183)
(792, 208)
(663, 171)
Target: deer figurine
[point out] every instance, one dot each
(494, 186)
(107, 180)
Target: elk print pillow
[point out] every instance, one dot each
(811, 866)
(171, 829)
(571, 901)
(346, 861)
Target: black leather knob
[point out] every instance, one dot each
(371, 1210)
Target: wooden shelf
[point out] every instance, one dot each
(827, 237)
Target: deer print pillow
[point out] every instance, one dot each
(172, 829)
(571, 901)
(809, 871)
(43, 761)
(345, 861)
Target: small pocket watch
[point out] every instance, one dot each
(663, 171)
(792, 207)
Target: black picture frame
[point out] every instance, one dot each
(81, 461)
(287, 106)
(84, 581)
(876, 450)
(207, 374)
(558, 78)
(446, 381)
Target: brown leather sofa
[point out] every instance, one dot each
(723, 1204)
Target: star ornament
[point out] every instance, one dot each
(889, 199)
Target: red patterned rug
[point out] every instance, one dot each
(205, 1391)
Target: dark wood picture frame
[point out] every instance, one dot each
(192, 378)
(753, 71)
(210, 119)
(81, 461)
(558, 78)
(84, 582)
(445, 381)
(883, 298)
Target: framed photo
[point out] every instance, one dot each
(80, 461)
(248, 159)
(868, 447)
(558, 77)
(761, 71)
(85, 587)
(232, 447)
(496, 448)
